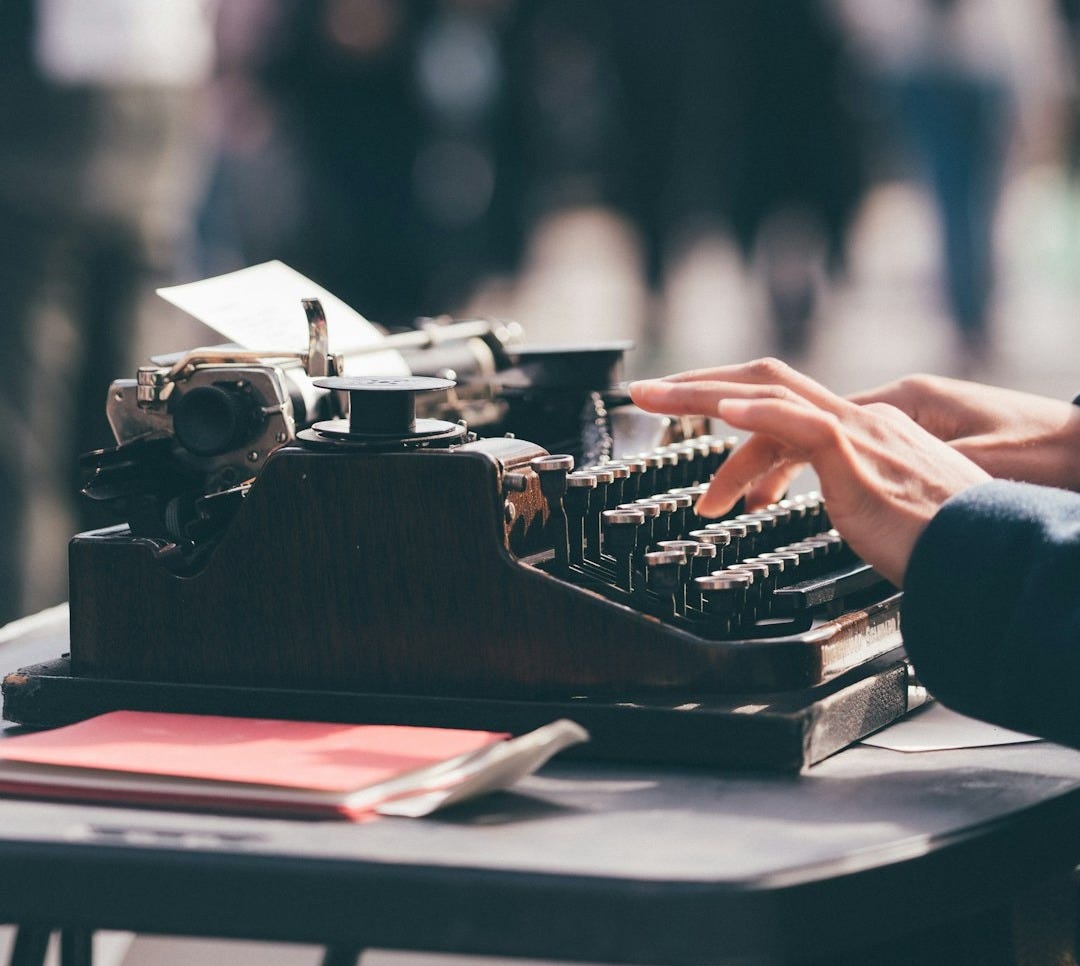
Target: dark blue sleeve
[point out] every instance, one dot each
(991, 611)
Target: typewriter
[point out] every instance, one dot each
(492, 550)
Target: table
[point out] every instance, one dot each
(603, 863)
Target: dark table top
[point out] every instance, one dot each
(598, 862)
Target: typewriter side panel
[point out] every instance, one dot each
(386, 573)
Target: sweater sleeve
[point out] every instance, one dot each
(991, 611)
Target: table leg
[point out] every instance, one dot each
(76, 947)
(31, 943)
(341, 956)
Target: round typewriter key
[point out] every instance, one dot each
(780, 512)
(623, 515)
(688, 547)
(790, 574)
(650, 509)
(598, 502)
(578, 487)
(737, 532)
(651, 512)
(723, 599)
(759, 572)
(618, 487)
(621, 529)
(664, 573)
(559, 463)
(804, 553)
(752, 541)
(579, 480)
(665, 476)
(720, 539)
(772, 576)
(649, 483)
(667, 505)
(701, 565)
(796, 524)
(632, 485)
(820, 548)
(765, 521)
(756, 598)
(683, 506)
(834, 540)
(775, 565)
(551, 471)
(718, 450)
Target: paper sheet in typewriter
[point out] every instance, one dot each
(259, 308)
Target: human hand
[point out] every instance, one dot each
(1012, 435)
(882, 474)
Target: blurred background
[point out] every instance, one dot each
(863, 187)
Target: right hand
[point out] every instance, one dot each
(884, 477)
(1012, 435)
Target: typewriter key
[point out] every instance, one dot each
(551, 471)
(579, 487)
(724, 597)
(632, 484)
(621, 529)
(646, 535)
(664, 575)
(598, 502)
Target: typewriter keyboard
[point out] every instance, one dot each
(627, 529)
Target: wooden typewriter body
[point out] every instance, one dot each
(420, 583)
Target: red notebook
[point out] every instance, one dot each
(237, 764)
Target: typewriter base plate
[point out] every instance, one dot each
(785, 731)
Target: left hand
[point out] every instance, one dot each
(882, 475)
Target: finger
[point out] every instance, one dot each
(773, 485)
(799, 432)
(697, 398)
(925, 399)
(762, 372)
(892, 393)
(746, 465)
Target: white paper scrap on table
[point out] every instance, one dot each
(935, 728)
(260, 308)
(491, 769)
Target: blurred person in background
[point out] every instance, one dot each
(93, 103)
(361, 142)
(969, 86)
(693, 117)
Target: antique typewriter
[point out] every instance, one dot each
(495, 550)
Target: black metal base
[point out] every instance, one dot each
(779, 732)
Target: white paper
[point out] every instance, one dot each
(260, 308)
(936, 728)
(491, 769)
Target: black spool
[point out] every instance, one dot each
(382, 410)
